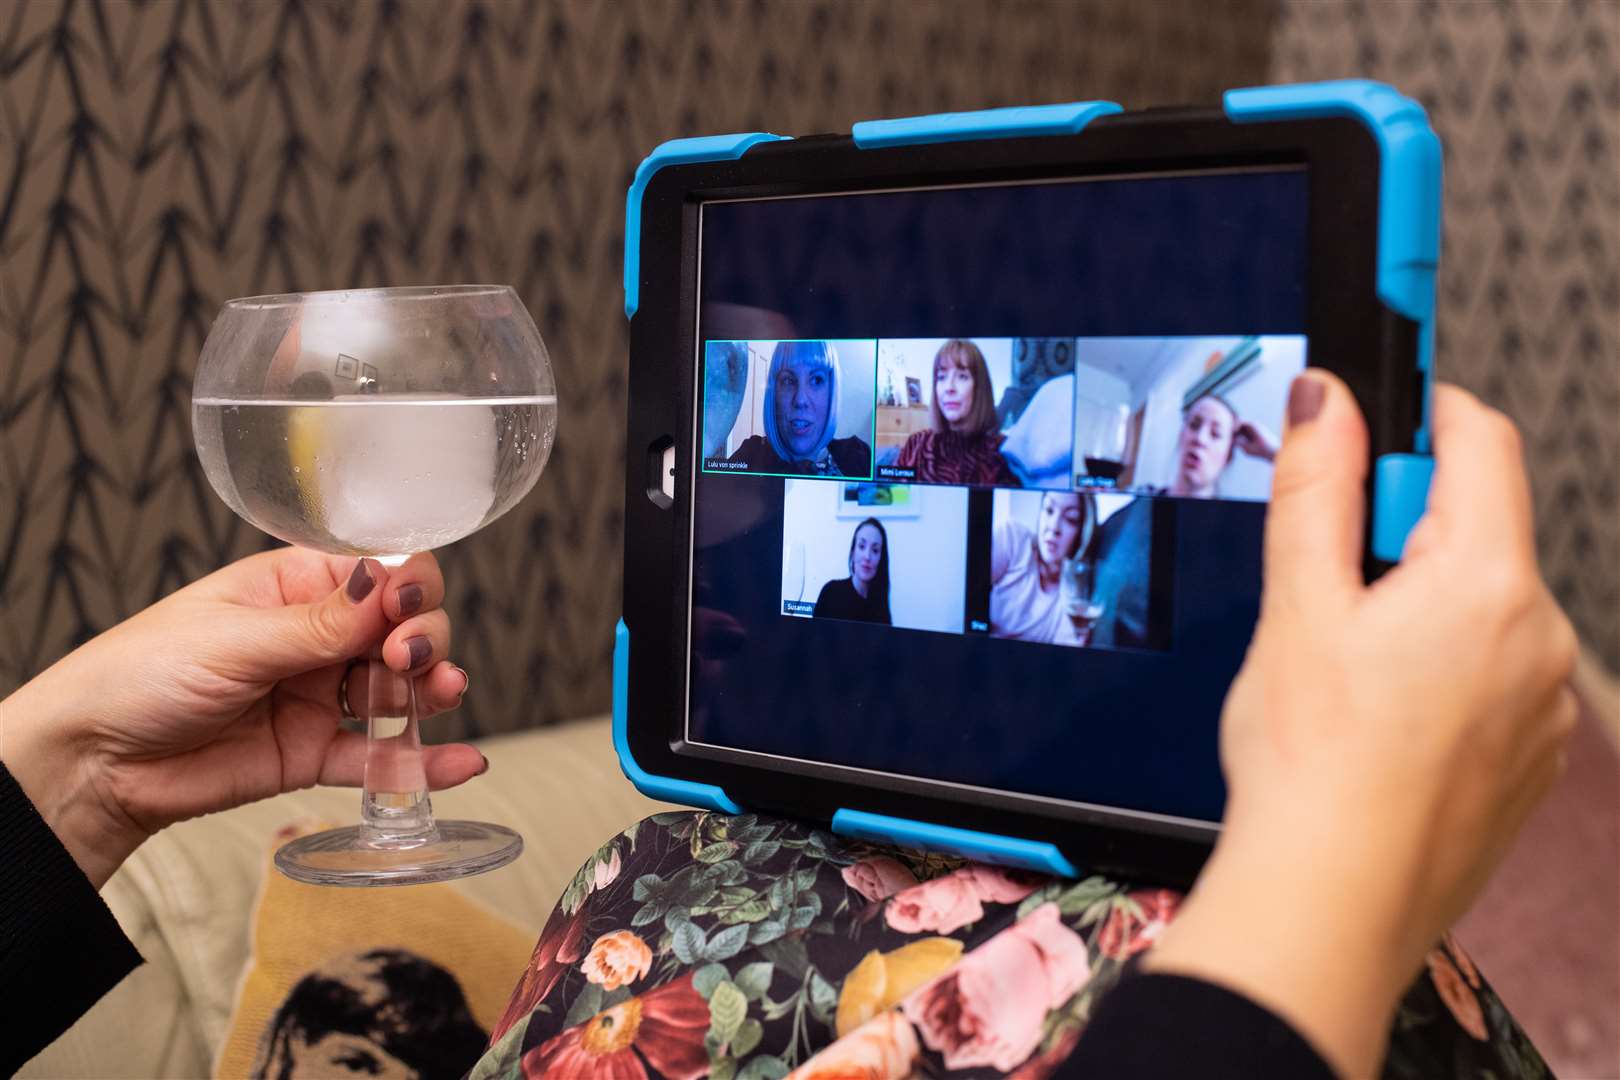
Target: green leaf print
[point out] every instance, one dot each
(747, 1038)
(761, 850)
(688, 943)
(585, 1006)
(707, 977)
(753, 911)
(714, 853)
(727, 943)
(727, 1010)
(754, 980)
(764, 1067)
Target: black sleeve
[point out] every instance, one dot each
(830, 603)
(60, 948)
(1152, 1026)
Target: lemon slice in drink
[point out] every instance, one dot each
(307, 440)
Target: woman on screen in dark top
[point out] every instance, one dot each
(801, 418)
(1211, 435)
(864, 595)
(964, 445)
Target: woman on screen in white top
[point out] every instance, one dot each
(1027, 568)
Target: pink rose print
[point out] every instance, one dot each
(1124, 935)
(1044, 1064)
(879, 877)
(989, 1010)
(1456, 994)
(1464, 964)
(946, 904)
(607, 872)
(997, 886)
(943, 906)
(1063, 956)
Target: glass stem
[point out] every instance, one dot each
(395, 810)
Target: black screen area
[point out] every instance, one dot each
(982, 476)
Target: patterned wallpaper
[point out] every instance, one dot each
(1526, 97)
(158, 158)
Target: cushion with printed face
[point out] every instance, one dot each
(377, 982)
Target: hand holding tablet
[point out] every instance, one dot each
(1392, 737)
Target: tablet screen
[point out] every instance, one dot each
(982, 476)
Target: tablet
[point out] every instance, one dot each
(950, 442)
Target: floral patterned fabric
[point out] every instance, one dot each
(750, 948)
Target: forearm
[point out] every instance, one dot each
(1307, 923)
(43, 749)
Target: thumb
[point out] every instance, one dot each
(296, 638)
(1314, 526)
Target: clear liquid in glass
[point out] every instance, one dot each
(380, 475)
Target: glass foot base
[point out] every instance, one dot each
(342, 857)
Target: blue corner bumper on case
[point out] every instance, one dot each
(1017, 122)
(1402, 485)
(970, 843)
(1409, 174)
(1409, 197)
(685, 792)
(674, 152)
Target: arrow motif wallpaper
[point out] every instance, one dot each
(1526, 98)
(158, 158)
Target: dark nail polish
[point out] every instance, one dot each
(360, 582)
(420, 648)
(410, 599)
(485, 768)
(1304, 400)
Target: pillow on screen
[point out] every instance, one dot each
(1040, 442)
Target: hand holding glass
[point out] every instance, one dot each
(380, 423)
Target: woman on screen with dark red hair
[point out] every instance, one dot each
(964, 445)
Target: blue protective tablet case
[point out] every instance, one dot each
(1408, 258)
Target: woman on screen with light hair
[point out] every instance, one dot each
(1030, 598)
(801, 418)
(1211, 435)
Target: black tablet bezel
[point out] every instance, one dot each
(1350, 331)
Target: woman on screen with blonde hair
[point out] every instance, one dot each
(1029, 599)
(800, 416)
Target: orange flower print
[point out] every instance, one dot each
(617, 959)
(1456, 994)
